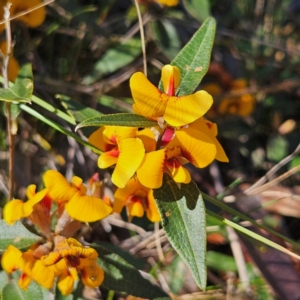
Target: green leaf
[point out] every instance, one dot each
(221, 262)
(22, 90)
(16, 235)
(121, 119)
(199, 9)
(166, 37)
(183, 218)
(193, 60)
(12, 291)
(115, 58)
(3, 280)
(122, 277)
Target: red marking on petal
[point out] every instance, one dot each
(46, 205)
(173, 163)
(114, 153)
(167, 136)
(113, 139)
(171, 87)
(109, 147)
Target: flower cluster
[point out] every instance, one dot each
(141, 157)
(65, 262)
(59, 256)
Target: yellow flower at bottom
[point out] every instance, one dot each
(70, 258)
(169, 2)
(13, 259)
(137, 199)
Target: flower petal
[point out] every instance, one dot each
(92, 276)
(108, 159)
(135, 209)
(59, 188)
(148, 138)
(42, 275)
(150, 172)
(195, 146)
(87, 208)
(152, 210)
(149, 101)
(13, 211)
(170, 76)
(181, 175)
(65, 283)
(132, 152)
(184, 110)
(11, 259)
(96, 139)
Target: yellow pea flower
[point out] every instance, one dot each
(123, 147)
(36, 205)
(188, 145)
(138, 199)
(176, 110)
(13, 259)
(78, 204)
(69, 258)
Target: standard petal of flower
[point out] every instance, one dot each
(184, 110)
(59, 188)
(114, 134)
(195, 146)
(152, 211)
(29, 204)
(13, 211)
(87, 208)
(132, 152)
(170, 76)
(92, 276)
(108, 159)
(11, 259)
(181, 175)
(149, 101)
(150, 172)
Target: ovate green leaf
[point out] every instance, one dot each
(16, 235)
(193, 60)
(121, 119)
(12, 291)
(183, 218)
(120, 276)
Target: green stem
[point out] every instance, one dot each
(246, 218)
(59, 128)
(253, 235)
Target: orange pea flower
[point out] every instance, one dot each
(176, 110)
(36, 208)
(74, 196)
(69, 258)
(137, 199)
(123, 147)
(188, 145)
(13, 259)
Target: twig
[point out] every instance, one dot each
(251, 190)
(275, 181)
(142, 35)
(120, 223)
(10, 131)
(158, 243)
